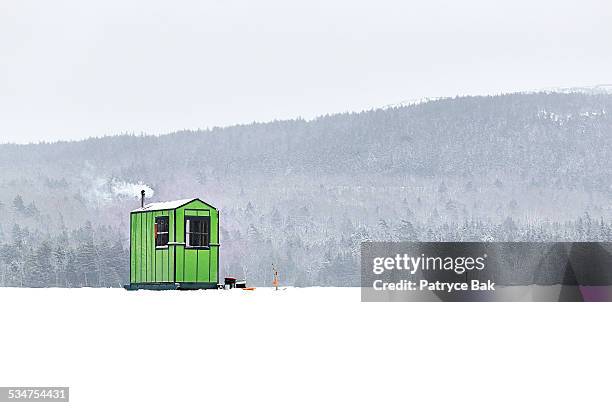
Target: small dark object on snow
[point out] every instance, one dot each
(230, 283)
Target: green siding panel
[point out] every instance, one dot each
(197, 212)
(214, 250)
(132, 250)
(137, 252)
(159, 264)
(165, 255)
(191, 262)
(169, 277)
(155, 253)
(180, 261)
(143, 248)
(171, 250)
(152, 251)
(203, 265)
(214, 267)
(180, 249)
(149, 275)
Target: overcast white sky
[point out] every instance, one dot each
(76, 69)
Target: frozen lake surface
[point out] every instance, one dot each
(301, 347)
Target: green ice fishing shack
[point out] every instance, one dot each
(174, 245)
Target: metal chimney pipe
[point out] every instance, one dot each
(142, 196)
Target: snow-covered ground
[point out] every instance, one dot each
(313, 347)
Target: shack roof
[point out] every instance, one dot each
(166, 205)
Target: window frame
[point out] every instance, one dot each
(157, 232)
(206, 220)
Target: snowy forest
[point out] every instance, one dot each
(303, 194)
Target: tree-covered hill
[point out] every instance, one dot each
(303, 194)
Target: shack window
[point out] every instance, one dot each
(161, 231)
(197, 232)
